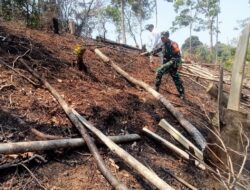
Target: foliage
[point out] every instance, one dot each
(186, 10)
(208, 11)
(195, 43)
(200, 52)
(135, 13)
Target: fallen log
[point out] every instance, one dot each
(172, 147)
(35, 146)
(148, 174)
(200, 140)
(92, 147)
(104, 40)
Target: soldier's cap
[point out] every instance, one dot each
(148, 26)
(165, 33)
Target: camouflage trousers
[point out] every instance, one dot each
(170, 67)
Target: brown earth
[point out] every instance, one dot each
(101, 95)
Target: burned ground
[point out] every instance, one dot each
(103, 97)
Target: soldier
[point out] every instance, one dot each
(171, 62)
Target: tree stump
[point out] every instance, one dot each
(72, 27)
(80, 64)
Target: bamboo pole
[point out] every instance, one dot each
(200, 140)
(35, 146)
(92, 147)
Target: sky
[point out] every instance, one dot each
(231, 11)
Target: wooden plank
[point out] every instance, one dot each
(172, 147)
(238, 70)
(180, 138)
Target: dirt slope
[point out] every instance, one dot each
(103, 97)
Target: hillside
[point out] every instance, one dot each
(102, 96)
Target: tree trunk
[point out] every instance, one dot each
(211, 37)
(198, 137)
(190, 38)
(156, 14)
(35, 146)
(72, 27)
(123, 22)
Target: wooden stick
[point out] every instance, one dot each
(171, 146)
(220, 97)
(20, 74)
(35, 156)
(92, 147)
(35, 146)
(181, 180)
(44, 136)
(200, 140)
(34, 177)
(180, 138)
(126, 157)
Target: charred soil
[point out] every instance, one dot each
(105, 98)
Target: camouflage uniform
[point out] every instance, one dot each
(171, 62)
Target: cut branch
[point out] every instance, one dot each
(20, 74)
(200, 140)
(172, 147)
(180, 138)
(44, 136)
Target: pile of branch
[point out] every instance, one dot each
(202, 72)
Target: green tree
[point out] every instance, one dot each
(27, 10)
(196, 43)
(187, 16)
(135, 13)
(208, 11)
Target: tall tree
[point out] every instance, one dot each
(123, 21)
(86, 14)
(196, 43)
(187, 16)
(139, 10)
(142, 10)
(208, 9)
